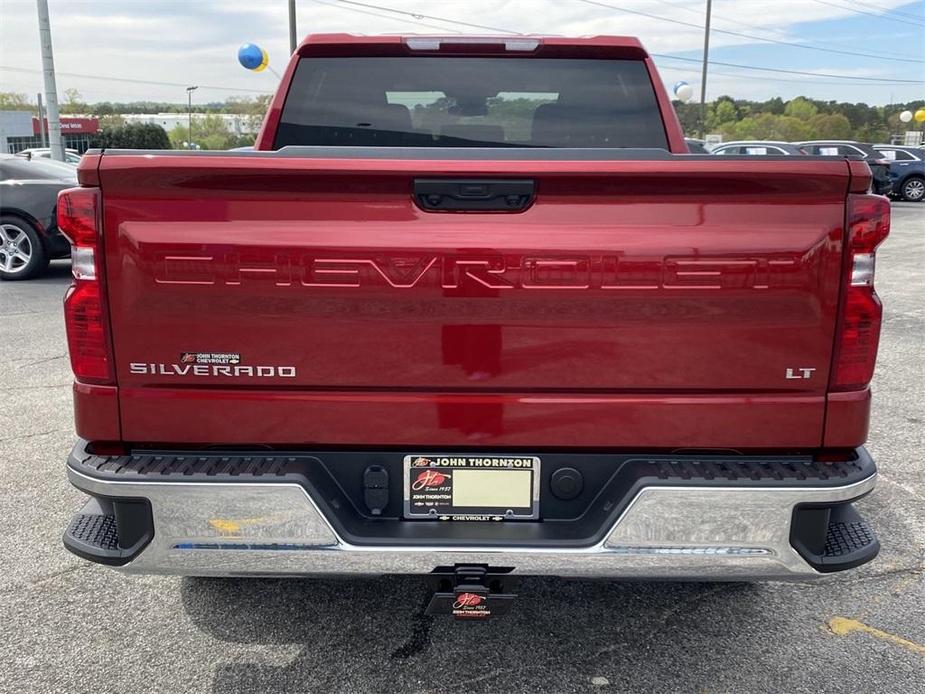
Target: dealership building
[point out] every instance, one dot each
(235, 124)
(20, 130)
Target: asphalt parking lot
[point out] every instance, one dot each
(70, 626)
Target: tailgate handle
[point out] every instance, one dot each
(466, 195)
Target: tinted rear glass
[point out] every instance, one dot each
(471, 102)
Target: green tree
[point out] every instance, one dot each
(110, 121)
(209, 132)
(134, 136)
(254, 108)
(723, 110)
(14, 101)
(801, 107)
(766, 126)
(833, 126)
(775, 106)
(73, 102)
(178, 135)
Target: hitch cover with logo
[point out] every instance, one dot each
(472, 592)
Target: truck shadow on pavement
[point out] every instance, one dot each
(372, 634)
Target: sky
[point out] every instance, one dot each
(870, 51)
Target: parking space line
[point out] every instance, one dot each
(842, 626)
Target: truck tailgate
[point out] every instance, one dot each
(290, 300)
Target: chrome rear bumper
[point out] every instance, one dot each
(677, 532)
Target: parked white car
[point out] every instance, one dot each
(71, 156)
(758, 148)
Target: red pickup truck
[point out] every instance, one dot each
(471, 310)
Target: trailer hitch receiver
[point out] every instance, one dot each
(472, 591)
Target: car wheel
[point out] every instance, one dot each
(22, 254)
(913, 190)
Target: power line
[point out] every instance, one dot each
(736, 22)
(793, 72)
(662, 65)
(383, 16)
(878, 15)
(866, 80)
(886, 10)
(752, 37)
(418, 15)
(136, 81)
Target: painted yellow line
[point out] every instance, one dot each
(232, 526)
(842, 626)
(225, 526)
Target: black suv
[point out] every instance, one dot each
(907, 168)
(878, 163)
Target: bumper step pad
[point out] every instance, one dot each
(110, 531)
(843, 539)
(97, 531)
(834, 538)
(849, 542)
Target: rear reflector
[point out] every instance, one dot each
(84, 304)
(83, 263)
(86, 334)
(861, 314)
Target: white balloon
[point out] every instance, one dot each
(906, 116)
(684, 92)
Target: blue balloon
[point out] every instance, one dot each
(251, 56)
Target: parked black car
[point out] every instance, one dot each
(879, 165)
(696, 146)
(29, 236)
(907, 169)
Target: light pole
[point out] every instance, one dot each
(189, 113)
(703, 75)
(51, 89)
(292, 31)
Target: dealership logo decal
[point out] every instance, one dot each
(468, 600)
(210, 358)
(429, 478)
(214, 364)
(471, 605)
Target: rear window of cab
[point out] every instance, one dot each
(471, 102)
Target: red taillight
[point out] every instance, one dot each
(84, 304)
(77, 215)
(859, 322)
(86, 332)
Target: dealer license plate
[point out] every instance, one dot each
(472, 487)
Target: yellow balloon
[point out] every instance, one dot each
(920, 116)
